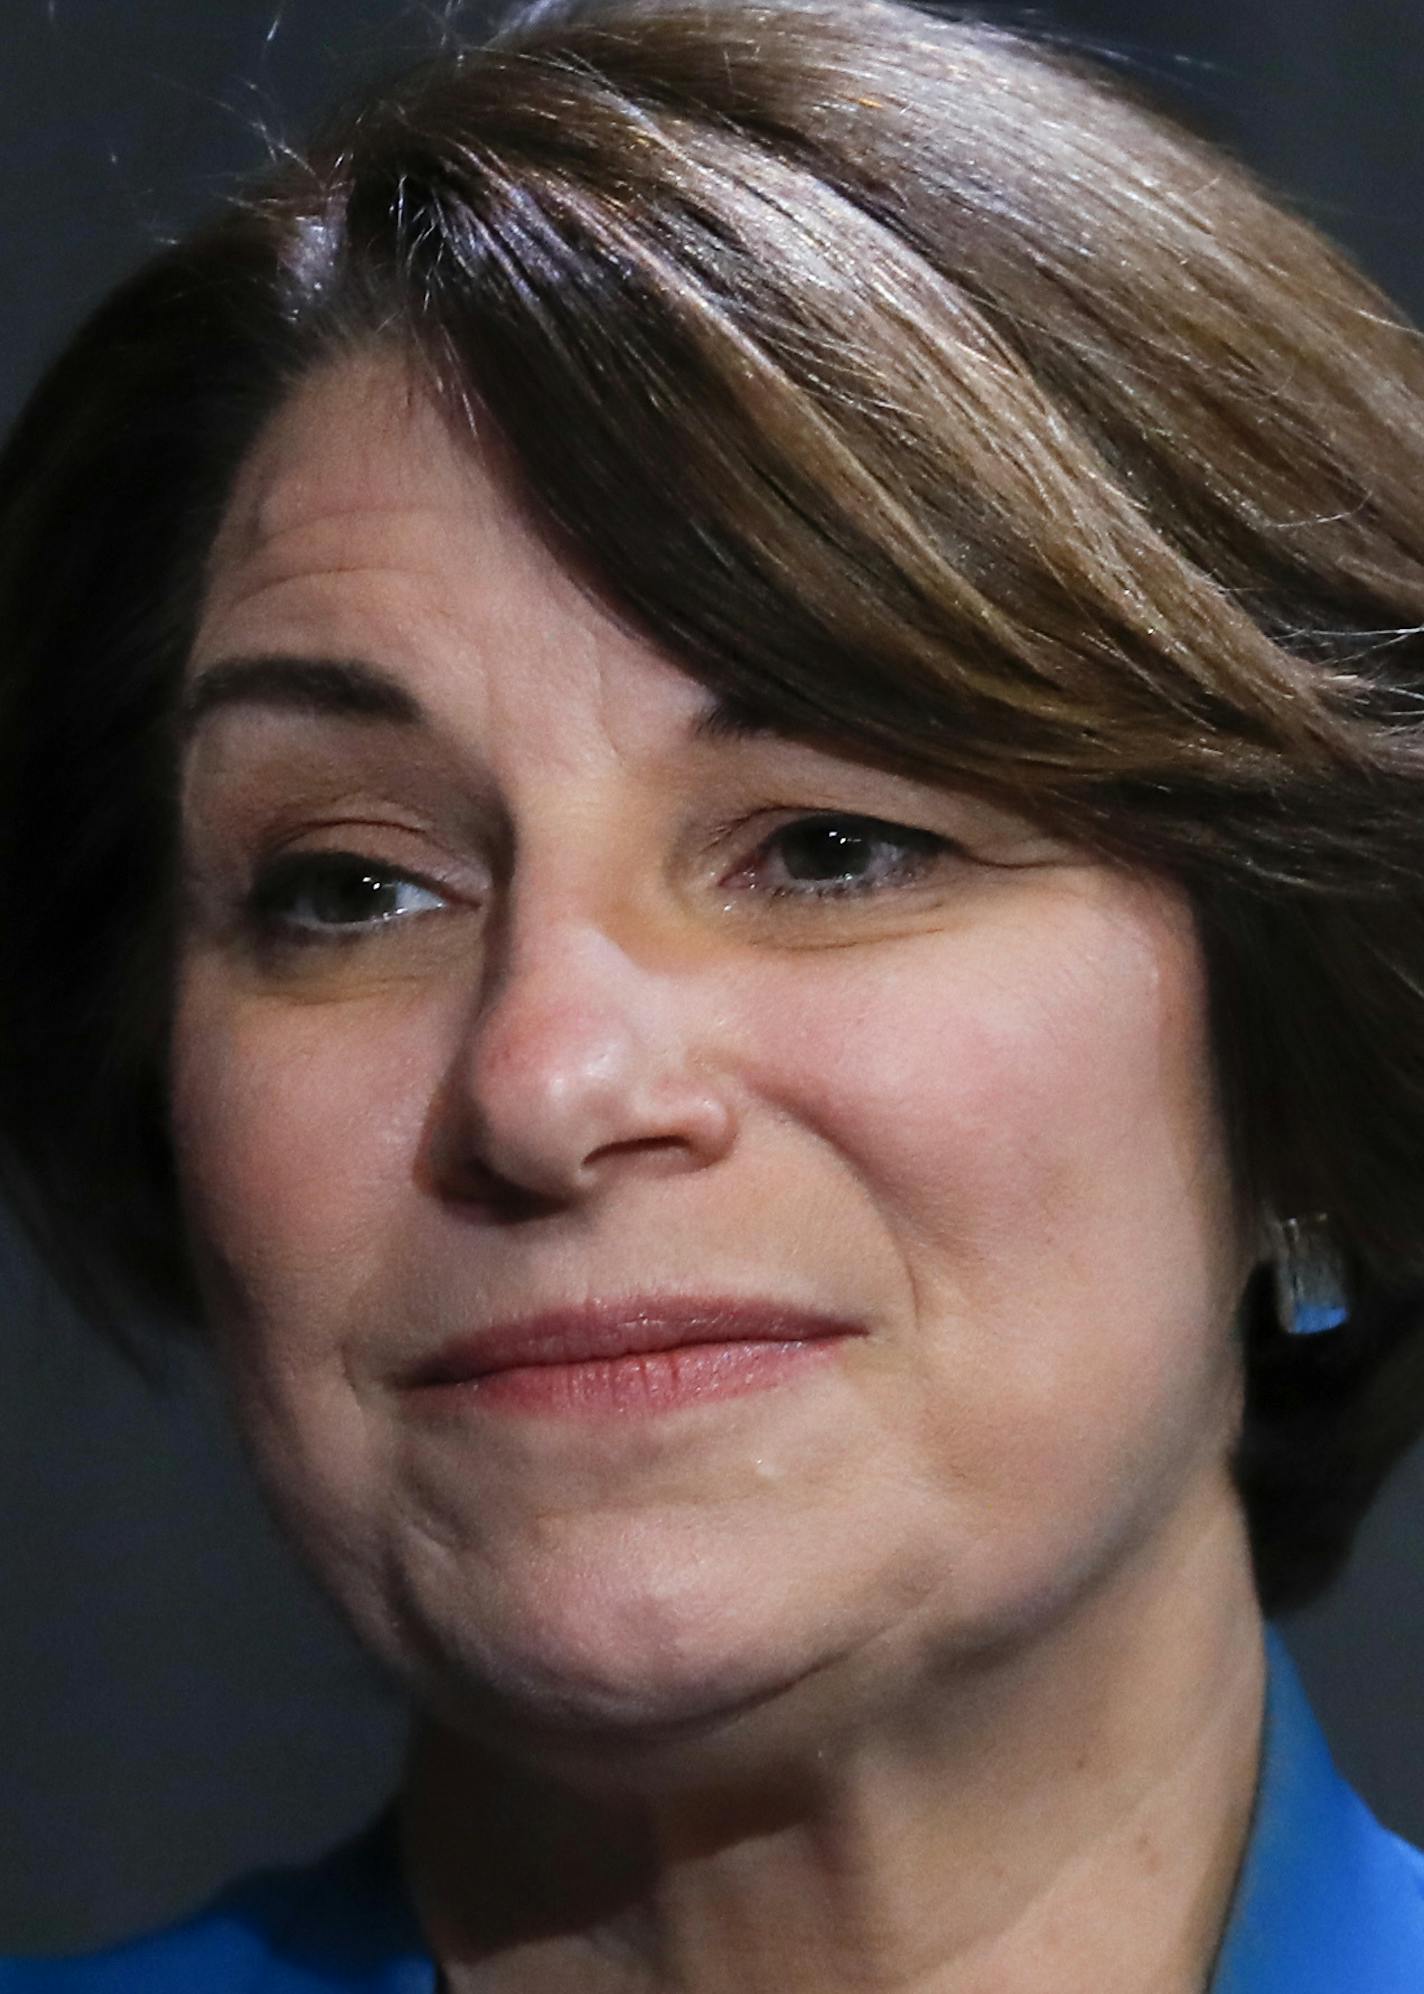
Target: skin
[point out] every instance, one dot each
(935, 1666)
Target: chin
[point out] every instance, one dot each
(598, 1675)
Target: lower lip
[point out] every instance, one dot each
(649, 1381)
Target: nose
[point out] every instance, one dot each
(580, 1066)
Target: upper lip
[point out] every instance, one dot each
(620, 1329)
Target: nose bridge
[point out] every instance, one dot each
(563, 997)
(576, 922)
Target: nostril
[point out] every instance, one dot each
(675, 1146)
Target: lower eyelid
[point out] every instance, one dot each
(833, 892)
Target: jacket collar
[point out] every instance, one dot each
(1327, 1899)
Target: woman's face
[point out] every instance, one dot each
(581, 1029)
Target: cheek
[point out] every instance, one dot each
(296, 1141)
(296, 1137)
(1030, 1114)
(999, 1092)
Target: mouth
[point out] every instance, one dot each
(638, 1355)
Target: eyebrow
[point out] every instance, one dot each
(348, 689)
(335, 688)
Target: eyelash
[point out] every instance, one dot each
(277, 884)
(927, 848)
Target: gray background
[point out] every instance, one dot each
(175, 1703)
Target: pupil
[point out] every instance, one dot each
(341, 891)
(334, 892)
(823, 850)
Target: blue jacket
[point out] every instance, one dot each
(1328, 1903)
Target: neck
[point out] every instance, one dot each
(1065, 1812)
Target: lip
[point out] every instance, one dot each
(640, 1353)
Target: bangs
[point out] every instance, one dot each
(814, 465)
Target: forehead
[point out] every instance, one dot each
(358, 442)
(362, 528)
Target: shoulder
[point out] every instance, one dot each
(341, 1923)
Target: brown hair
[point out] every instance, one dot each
(900, 377)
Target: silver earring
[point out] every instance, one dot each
(1309, 1275)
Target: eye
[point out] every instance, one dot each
(334, 897)
(832, 856)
